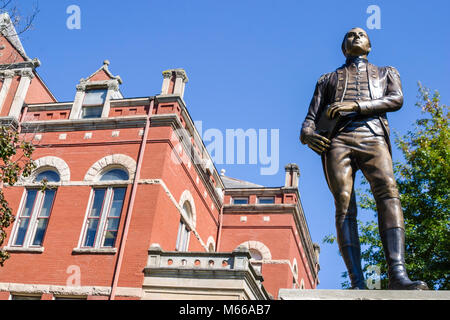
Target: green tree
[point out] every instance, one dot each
(15, 154)
(15, 160)
(423, 182)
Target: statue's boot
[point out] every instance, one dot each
(349, 246)
(352, 259)
(394, 249)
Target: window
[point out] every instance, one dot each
(93, 103)
(103, 218)
(50, 176)
(294, 281)
(183, 229)
(256, 259)
(266, 200)
(35, 213)
(240, 200)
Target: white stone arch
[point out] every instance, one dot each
(49, 163)
(211, 243)
(187, 196)
(110, 162)
(258, 246)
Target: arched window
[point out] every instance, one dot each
(210, 244)
(294, 277)
(256, 259)
(183, 228)
(105, 208)
(49, 175)
(114, 174)
(35, 212)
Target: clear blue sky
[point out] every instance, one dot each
(251, 64)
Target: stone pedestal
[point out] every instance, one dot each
(319, 294)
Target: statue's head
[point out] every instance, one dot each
(356, 43)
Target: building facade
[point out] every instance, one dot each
(135, 208)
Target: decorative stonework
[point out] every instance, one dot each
(69, 290)
(201, 275)
(7, 74)
(260, 247)
(49, 163)
(26, 73)
(180, 81)
(110, 162)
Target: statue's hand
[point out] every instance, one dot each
(315, 141)
(338, 107)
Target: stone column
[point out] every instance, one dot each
(78, 102)
(112, 87)
(292, 175)
(180, 82)
(167, 75)
(7, 76)
(25, 80)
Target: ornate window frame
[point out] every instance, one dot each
(107, 163)
(47, 163)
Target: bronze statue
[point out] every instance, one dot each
(347, 125)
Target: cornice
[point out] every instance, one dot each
(50, 106)
(84, 124)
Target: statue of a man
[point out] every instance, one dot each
(347, 125)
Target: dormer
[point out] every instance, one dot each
(94, 94)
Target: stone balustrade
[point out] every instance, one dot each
(239, 259)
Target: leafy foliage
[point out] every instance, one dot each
(15, 160)
(423, 182)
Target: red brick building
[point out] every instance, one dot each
(136, 208)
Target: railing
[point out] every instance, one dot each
(239, 259)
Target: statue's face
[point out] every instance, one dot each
(357, 43)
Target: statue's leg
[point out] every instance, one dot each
(375, 162)
(341, 173)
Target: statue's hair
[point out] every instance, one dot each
(345, 39)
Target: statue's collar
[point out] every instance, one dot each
(355, 60)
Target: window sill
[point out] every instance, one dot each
(94, 251)
(24, 249)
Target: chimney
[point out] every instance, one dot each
(174, 82)
(292, 175)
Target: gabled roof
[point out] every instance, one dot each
(103, 73)
(232, 183)
(8, 30)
